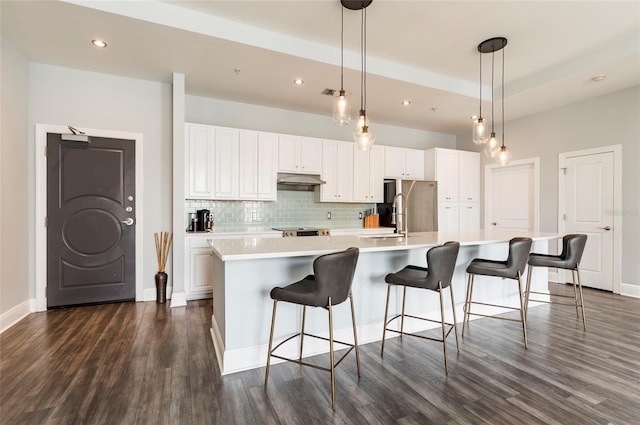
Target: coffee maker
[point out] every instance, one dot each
(204, 216)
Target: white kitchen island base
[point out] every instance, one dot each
(246, 270)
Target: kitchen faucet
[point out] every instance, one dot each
(403, 213)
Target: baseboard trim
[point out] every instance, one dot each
(178, 299)
(629, 290)
(17, 313)
(149, 294)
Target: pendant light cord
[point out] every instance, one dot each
(362, 62)
(480, 85)
(503, 97)
(342, 50)
(493, 55)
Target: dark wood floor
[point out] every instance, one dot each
(148, 364)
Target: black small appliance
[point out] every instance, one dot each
(203, 219)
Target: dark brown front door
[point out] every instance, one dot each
(90, 221)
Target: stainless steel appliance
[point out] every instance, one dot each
(288, 232)
(419, 207)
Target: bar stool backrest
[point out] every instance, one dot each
(334, 276)
(572, 249)
(518, 255)
(441, 261)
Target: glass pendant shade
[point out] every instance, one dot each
(341, 109)
(362, 135)
(479, 131)
(503, 156)
(492, 146)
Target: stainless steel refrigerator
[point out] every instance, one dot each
(421, 204)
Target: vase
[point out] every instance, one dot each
(161, 287)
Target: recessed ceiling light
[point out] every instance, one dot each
(98, 43)
(406, 102)
(598, 78)
(298, 81)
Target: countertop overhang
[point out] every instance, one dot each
(260, 248)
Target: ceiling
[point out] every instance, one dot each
(425, 51)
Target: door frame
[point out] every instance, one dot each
(617, 204)
(41, 205)
(488, 189)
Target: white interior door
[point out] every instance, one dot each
(511, 201)
(588, 208)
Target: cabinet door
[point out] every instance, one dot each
(310, 155)
(361, 175)
(329, 190)
(289, 154)
(344, 172)
(394, 162)
(248, 165)
(414, 164)
(448, 217)
(469, 177)
(447, 174)
(376, 174)
(226, 163)
(200, 145)
(267, 166)
(469, 216)
(201, 273)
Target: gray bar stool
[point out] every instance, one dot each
(569, 259)
(511, 268)
(441, 262)
(329, 285)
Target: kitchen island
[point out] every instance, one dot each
(245, 271)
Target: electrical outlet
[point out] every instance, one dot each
(360, 215)
(329, 215)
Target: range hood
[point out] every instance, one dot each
(303, 182)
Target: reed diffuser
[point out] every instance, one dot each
(163, 245)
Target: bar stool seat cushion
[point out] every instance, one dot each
(303, 292)
(547, 260)
(516, 262)
(572, 249)
(441, 259)
(410, 276)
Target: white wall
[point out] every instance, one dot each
(63, 96)
(606, 120)
(14, 202)
(204, 110)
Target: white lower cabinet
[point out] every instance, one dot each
(448, 216)
(469, 214)
(198, 269)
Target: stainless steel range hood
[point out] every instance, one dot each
(302, 182)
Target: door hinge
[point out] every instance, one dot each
(564, 170)
(564, 217)
(45, 150)
(46, 222)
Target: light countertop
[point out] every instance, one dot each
(257, 248)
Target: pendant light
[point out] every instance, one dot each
(341, 106)
(362, 135)
(492, 145)
(479, 125)
(503, 156)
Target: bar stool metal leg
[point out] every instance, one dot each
(333, 376)
(355, 335)
(455, 321)
(527, 291)
(404, 298)
(384, 324)
(584, 318)
(444, 332)
(304, 313)
(467, 304)
(273, 321)
(522, 311)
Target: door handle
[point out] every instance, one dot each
(128, 221)
(494, 224)
(607, 228)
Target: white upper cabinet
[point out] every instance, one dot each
(458, 177)
(403, 163)
(299, 154)
(226, 163)
(368, 175)
(199, 155)
(337, 171)
(258, 165)
(469, 177)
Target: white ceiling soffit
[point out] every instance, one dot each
(419, 50)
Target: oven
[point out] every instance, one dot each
(288, 232)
